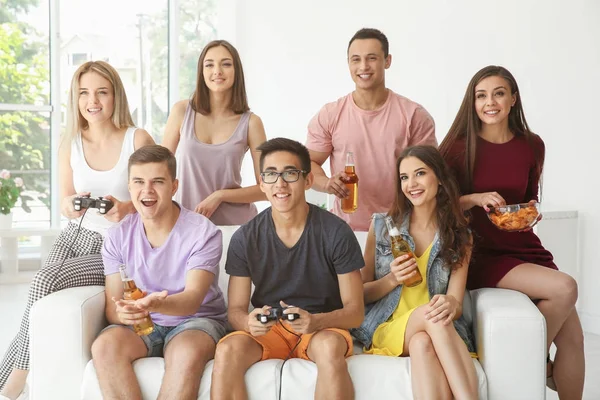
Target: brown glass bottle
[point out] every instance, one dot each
(350, 203)
(132, 292)
(399, 248)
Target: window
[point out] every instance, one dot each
(25, 153)
(24, 106)
(79, 58)
(196, 27)
(136, 44)
(138, 34)
(198, 22)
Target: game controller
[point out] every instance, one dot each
(276, 313)
(103, 205)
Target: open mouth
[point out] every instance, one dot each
(148, 202)
(416, 193)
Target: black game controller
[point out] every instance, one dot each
(276, 313)
(103, 205)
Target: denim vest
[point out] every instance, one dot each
(437, 283)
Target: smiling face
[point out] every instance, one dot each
(367, 63)
(285, 196)
(96, 98)
(493, 100)
(218, 70)
(419, 182)
(151, 188)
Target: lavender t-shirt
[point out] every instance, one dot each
(194, 243)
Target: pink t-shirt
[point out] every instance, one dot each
(376, 138)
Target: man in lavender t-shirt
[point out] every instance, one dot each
(173, 254)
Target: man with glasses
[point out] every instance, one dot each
(302, 259)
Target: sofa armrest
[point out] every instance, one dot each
(511, 343)
(63, 326)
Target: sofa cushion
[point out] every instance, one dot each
(373, 377)
(260, 379)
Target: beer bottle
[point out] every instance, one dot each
(399, 248)
(350, 203)
(132, 292)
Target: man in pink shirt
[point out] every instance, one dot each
(374, 123)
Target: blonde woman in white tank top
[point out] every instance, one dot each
(93, 158)
(210, 133)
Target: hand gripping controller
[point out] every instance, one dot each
(103, 205)
(276, 313)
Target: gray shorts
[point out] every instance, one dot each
(158, 340)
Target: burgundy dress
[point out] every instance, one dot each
(508, 169)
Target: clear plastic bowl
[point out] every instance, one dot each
(514, 217)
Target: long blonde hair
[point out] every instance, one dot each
(121, 116)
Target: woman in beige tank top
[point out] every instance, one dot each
(210, 133)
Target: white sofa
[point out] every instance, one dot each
(510, 335)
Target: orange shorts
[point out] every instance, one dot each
(278, 342)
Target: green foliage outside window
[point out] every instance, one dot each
(24, 136)
(10, 191)
(198, 27)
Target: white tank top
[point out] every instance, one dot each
(101, 183)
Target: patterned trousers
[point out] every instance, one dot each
(82, 267)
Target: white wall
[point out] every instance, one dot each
(294, 56)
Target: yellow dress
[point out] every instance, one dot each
(388, 338)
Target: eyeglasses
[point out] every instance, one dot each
(290, 175)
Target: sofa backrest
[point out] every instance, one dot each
(227, 232)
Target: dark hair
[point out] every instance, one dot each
(200, 100)
(371, 33)
(467, 125)
(153, 153)
(453, 227)
(284, 144)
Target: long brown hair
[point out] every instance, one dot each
(453, 226)
(467, 124)
(200, 100)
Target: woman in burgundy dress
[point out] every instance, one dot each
(499, 161)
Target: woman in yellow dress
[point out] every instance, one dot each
(423, 322)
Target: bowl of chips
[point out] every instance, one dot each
(514, 217)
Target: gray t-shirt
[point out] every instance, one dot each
(304, 275)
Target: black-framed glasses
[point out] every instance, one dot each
(290, 175)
